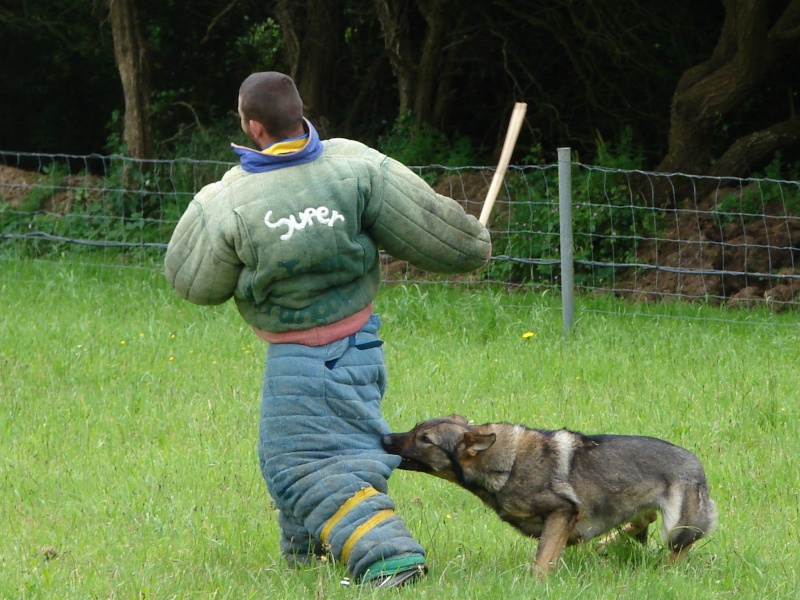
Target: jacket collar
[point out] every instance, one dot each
(286, 153)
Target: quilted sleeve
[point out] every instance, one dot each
(201, 264)
(414, 223)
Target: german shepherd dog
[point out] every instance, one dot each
(564, 487)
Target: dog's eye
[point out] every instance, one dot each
(424, 439)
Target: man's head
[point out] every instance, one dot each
(270, 107)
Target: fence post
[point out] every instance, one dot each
(565, 227)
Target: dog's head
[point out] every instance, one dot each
(438, 446)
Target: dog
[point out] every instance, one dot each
(564, 487)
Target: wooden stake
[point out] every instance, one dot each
(517, 116)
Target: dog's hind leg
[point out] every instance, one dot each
(680, 541)
(678, 554)
(636, 528)
(557, 529)
(697, 518)
(641, 535)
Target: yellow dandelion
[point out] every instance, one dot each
(527, 334)
(141, 334)
(122, 342)
(172, 358)
(448, 517)
(172, 336)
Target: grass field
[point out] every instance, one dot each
(128, 426)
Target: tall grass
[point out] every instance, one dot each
(128, 422)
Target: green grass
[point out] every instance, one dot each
(128, 422)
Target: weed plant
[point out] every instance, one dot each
(128, 423)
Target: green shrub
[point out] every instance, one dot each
(608, 223)
(767, 193)
(425, 145)
(531, 229)
(47, 185)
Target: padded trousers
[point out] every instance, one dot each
(320, 452)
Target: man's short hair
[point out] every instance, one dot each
(272, 99)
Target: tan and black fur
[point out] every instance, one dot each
(565, 487)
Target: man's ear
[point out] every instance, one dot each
(256, 128)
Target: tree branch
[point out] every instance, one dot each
(216, 20)
(787, 27)
(752, 151)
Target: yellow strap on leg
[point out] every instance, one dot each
(345, 508)
(359, 532)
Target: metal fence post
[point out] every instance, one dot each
(565, 225)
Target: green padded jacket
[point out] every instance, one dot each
(298, 247)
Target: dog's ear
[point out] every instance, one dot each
(477, 442)
(458, 419)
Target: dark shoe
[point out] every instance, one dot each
(398, 579)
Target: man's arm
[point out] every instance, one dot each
(200, 263)
(414, 223)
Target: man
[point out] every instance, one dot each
(292, 234)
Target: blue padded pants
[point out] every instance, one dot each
(320, 452)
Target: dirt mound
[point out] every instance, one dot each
(38, 191)
(701, 256)
(15, 184)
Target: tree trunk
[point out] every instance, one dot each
(312, 32)
(748, 49)
(419, 73)
(393, 20)
(438, 14)
(133, 62)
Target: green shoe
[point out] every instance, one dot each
(398, 579)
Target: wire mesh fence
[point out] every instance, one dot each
(639, 235)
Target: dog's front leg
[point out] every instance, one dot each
(556, 530)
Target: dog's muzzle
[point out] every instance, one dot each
(406, 464)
